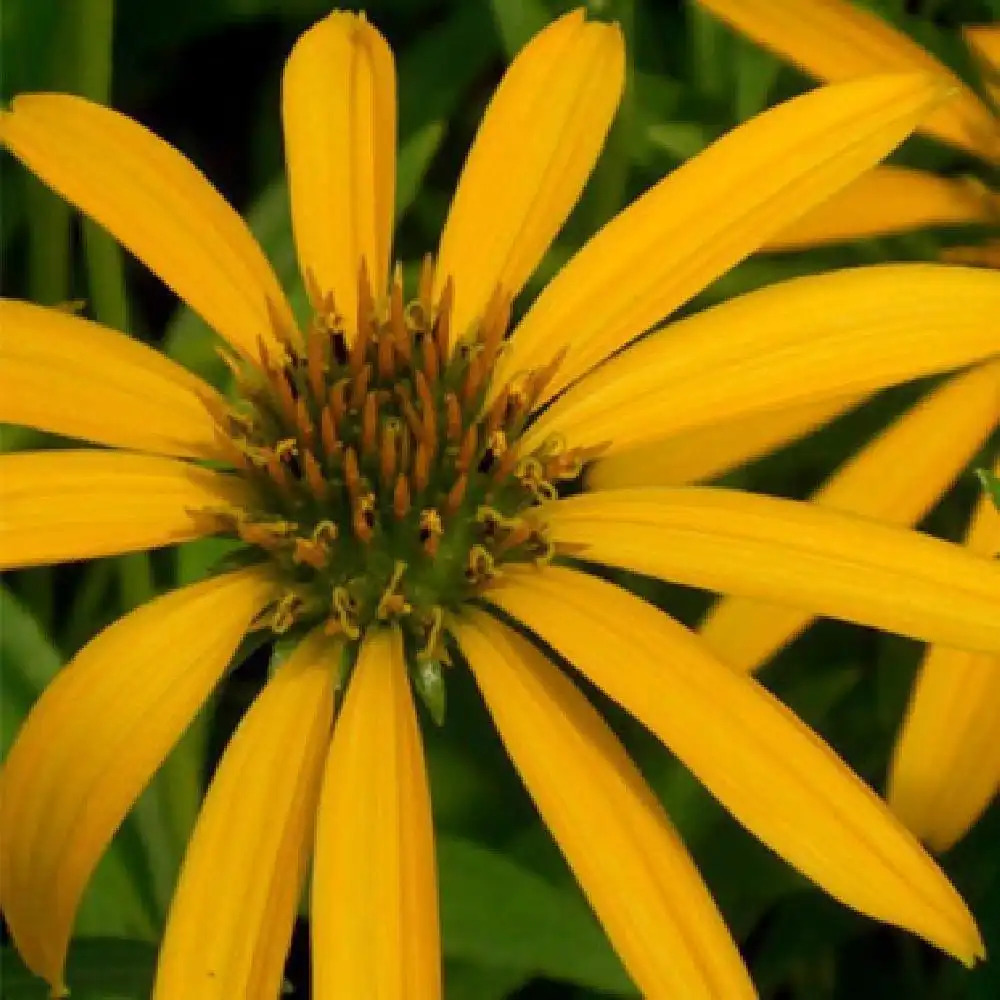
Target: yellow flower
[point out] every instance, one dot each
(393, 477)
(946, 765)
(836, 40)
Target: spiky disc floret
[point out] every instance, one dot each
(385, 489)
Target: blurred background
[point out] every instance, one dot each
(204, 74)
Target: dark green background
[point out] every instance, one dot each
(204, 74)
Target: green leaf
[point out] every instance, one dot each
(991, 484)
(517, 22)
(97, 969)
(497, 914)
(465, 981)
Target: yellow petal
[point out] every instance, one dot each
(711, 450)
(338, 107)
(710, 214)
(535, 149)
(838, 40)
(790, 344)
(66, 375)
(890, 200)
(798, 554)
(93, 740)
(984, 41)
(897, 478)
(976, 255)
(374, 897)
(774, 774)
(946, 765)
(624, 851)
(231, 917)
(58, 506)
(156, 204)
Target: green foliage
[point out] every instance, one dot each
(991, 484)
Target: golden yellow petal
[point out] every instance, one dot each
(839, 40)
(897, 478)
(374, 888)
(797, 342)
(710, 214)
(776, 776)
(59, 506)
(69, 376)
(798, 554)
(94, 739)
(338, 107)
(984, 41)
(946, 765)
(709, 451)
(617, 839)
(156, 203)
(536, 146)
(985, 254)
(891, 200)
(231, 917)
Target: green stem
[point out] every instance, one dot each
(103, 258)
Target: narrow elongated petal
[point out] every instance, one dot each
(93, 740)
(790, 344)
(897, 478)
(839, 40)
(374, 897)
(627, 856)
(711, 213)
(535, 149)
(975, 255)
(712, 450)
(890, 200)
(792, 553)
(69, 376)
(156, 204)
(338, 107)
(984, 41)
(946, 766)
(57, 506)
(231, 917)
(775, 775)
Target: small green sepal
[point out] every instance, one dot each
(429, 679)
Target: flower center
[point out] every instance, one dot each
(386, 478)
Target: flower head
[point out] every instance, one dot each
(393, 476)
(945, 770)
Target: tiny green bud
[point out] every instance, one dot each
(429, 679)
